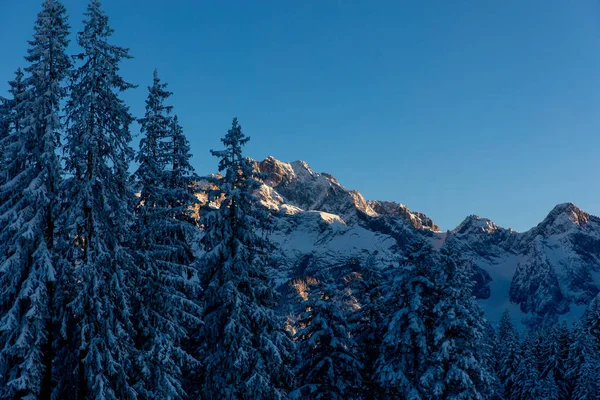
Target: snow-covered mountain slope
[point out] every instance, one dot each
(320, 223)
(550, 271)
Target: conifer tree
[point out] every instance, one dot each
(556, 342)
(97, 333)
(180, 182)
(507, 334)
(583, 369)
(181, 196)
(488, 354)
(527, 377)
(508, 355)
(406, 349)
(367, 322)
(459, 369)
(549, 389)
(163, 233)
(11, 273)
(591, 318)
(12, 117)
(245, 350)
(328, 367)
(4, 117)
(6, 110)
(29, 194)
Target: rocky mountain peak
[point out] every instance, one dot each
(276, 172)
(570, 211)
(298, 185)
(563, 218)
(418, 220)
(475, 224)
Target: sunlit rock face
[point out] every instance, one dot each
(298, 185)
(549, 272)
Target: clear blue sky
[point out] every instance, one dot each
(451, 107)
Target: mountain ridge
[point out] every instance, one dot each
(280, 172)
(541, 275)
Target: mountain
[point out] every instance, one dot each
(551, 271)
(297, 185)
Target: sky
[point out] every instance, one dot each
(452, 108)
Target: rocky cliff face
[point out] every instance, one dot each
(551, 271)
(296, 186)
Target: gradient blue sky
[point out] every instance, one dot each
(451, 107)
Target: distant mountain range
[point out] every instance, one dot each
(551, 271)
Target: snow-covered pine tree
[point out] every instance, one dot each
(12, 115)
(4, 117)
(459, 370)
(10, 274)
(556, 342)
(527, 383)
(165, 304)
(97, 333)
(489, 359)
(507, 354)
(5, 126)
(583, 367)
(366, 322)
(549, 390)
(4, 133)
(405, 353)
(29, 194)
(591, 318)
(506, 334)
(245, 350)
(181, 184)
(328, 365)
